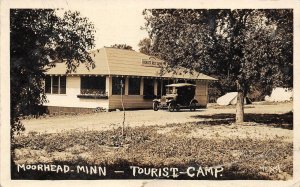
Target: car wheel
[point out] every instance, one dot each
(171, 107)
(193, 106)
(177, 108)
(155, 106)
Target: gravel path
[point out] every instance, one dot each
(108, 120)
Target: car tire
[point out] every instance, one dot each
(155, 106)
(171, 107)
(177, 108)
(193, 106)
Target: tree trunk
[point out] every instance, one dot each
(239, 118)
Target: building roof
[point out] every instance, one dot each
(120, 62)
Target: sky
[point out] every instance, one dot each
(116, 25)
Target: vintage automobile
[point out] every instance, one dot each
(179, 95)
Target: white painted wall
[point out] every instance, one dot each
(70, 99)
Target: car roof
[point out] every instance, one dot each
(180, 85)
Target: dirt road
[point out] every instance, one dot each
(108, 120)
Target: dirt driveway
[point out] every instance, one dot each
(108, 120)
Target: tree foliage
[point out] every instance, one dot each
(145, 46)
(122, 46)
(39, 38)
(247, 47)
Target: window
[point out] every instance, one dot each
(62, 85)
(148, 87)
(191, 81)
(180, 81)
(161, 86)
(48, 84)
(134, 86)
(93, 85)
(116, 85)
(55, 84)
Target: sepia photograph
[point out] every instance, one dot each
(179, 93)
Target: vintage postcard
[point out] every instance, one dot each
(141, 93)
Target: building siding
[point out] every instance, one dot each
(70, 99)
(130, 102)
(201, 93)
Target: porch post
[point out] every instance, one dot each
(142, 86)
(126, 85)
(155, 86)
(108, 85)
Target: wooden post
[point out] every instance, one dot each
(155, 86)
(126, 84)
(108, 85)
(142, 86)
(123, 123)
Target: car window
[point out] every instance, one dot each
(171, 90)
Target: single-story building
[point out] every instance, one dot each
(138, 75)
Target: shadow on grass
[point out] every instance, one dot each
(275, 120)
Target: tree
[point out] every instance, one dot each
(145, 46)
(39, 38)
(246, 46)
(122, 46)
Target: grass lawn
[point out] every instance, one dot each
(261, 149)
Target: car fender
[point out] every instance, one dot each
(193, 101)
(171, 101)
(156, 100)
